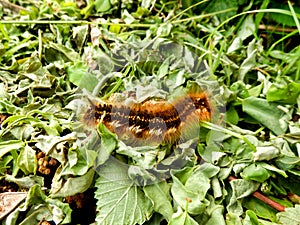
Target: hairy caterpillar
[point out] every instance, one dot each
(152, 122)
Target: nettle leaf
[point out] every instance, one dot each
(119, 200)
(273, 169)
(6, 106)
(147, 3)
(243, 188)
(235, 45)
(213, 215)
(18, 120)
(286, 162)
(266, 113)
(164, 29)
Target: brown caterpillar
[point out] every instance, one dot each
(152, 122)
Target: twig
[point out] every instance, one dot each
(11, 6)
(268, 201)
(265, 199)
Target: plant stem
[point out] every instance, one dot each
(76, 22)
(294, 16)
(226, 131)
(203, 16)
(268, 201)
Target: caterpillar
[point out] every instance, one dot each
(152, 122)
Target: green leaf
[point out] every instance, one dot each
(35, 196)
(82, 183)
(7, 106)
(191, 195)
(182, 218)
(32, 217)
(27, 160)
(240, 189)
(281, 18)
(25, 182)
(273, 169)
(119, 200)
(78, 164)
(290, 216)
(215, 6)
(251, 218)
(290, 184)
(102, 5)
(233, 219)
(108, 144)
(255, 173)
(247, 28)
(266, 113)
(79, 75)
(41, 206)
(249, 62)
(287, 94)
(235, 45)
(159, 194)
(164, 29)
(13, 122)
(80, 34)
(213, 215)
(266, 153)
(243, 188)
(287, 162)
(232, 116)
(48, 144)
(64, 52)
(217, 216)
(218, 192)
(260, 208)
(7, 146)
